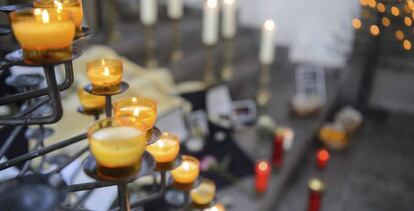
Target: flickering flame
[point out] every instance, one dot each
(269, 25)
(228, 1)
(134, 100)
(45, 16)
(160, 143)
(212, 3)
(106, 71)
(37, 11)
(103, 62)
(263, 166)
(186, 166)
(136, 112)
(59, 6)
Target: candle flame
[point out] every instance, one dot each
(37, 11)
(263, 166)
(323, 155)
(269, 25)
(45, 16)
(103, 62)
(212, 3)
(134, 99)
(136, 112)
(186, 166)
(160, 143)
(228, 1)
(59, 6)
(106, 71)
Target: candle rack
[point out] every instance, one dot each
(227, 69)
(209, 76)
(39, 101)
(264, 94)
(176, 53)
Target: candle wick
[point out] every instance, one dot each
(45, 16)
(106, 71)
(136, 112)
(186, 166)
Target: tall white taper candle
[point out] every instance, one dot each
(148, 12)
(210, 22)
(229, 18)
(267, 46)
(175, 9)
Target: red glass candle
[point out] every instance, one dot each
(278, 150)
(263, 170)
(322, 157)
(316, 188)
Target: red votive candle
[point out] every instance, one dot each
(263, 170)
(277, 158)
(316, 189)
(322, 157)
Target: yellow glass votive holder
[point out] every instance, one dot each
(144, 109)
(105, 74)
(45, 35)
(166, 149)
(118, 145)
(90, 102)
(188, 171)
(74, 6)
(204, 193)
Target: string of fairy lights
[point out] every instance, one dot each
(397, 13)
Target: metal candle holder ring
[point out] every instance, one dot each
(170, 165)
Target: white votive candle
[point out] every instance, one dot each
(175, 9)
(210, 23)
(148, 12)
(267, 48)
(229, 18)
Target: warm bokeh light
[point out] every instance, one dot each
(395, 11)
(212, 3)
(374, 30)
(385, 21)
(363, 2)
(263, 166)
(372, 3)
(356, 23)
(323, 155)
(269, 25)
(408, 21)
(407, 45)
(399, 35)
(381, 7)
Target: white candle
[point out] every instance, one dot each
(148, 12)
(210, 23)
(229, 18)
(175, 9)
(267, 48)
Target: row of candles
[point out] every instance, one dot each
(119, 143)
(263, 170)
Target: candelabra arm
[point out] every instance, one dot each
(89, 186)
(123, 197)
(156, 195)
(37, 153)
(7, 144)
(41, 92)
(108, 105)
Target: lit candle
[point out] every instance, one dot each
(322, 158)
(229, 18)
(316, 189)
(91, 102)
(262, 175)
(210, 22)
(217, 207)
(166, 149)
(45, 35)
(148, 12)
(117, 143)
(188, 171)
(105, 74)
(267, 48)
(144, 109)
(74, 6)
(204, 193)
(175, 9)
(278, 149)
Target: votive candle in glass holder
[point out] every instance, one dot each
(204, 193)
(188, 171)
(144, 109)
(45, 35)
(105, 74)
(91, 102)
(166, 149)
(74, 6)
(118, 145)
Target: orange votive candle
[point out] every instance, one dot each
(166, 149)
(90, 102)
(144, 109)
(204, 193)
(188, 171)
(105, 74)
(73, 6)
